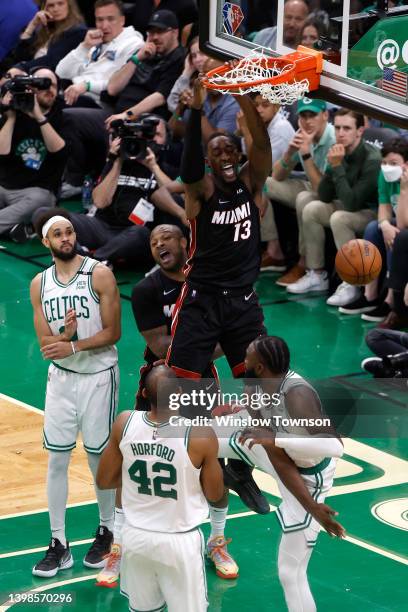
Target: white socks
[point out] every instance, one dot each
(106, 498)
(218, 518)
(57, 492)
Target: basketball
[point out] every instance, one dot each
(358, 262)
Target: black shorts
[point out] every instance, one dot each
(202, 318)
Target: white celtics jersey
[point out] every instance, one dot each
(57, 298)
(291, 380)
(161, 488)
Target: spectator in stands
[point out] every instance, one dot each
(103, 51)
(185, 11)
(347, 201)
(392, 218)
(32, 155)
(193, 65)
(119, 229)
(294, 17)
(51, 34)
(89, 67)
(310, 147)
(14, 16)
(219, 110)
(144, 83)
(311, 32)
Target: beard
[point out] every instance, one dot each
(63, 255)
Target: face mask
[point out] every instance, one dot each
(391, 173)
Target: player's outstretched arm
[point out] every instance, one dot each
(109, 474)
(203, 452)
(192, 172)
(260, 155)
(104, 284)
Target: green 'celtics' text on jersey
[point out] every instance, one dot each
(57, 298)
(161, 489)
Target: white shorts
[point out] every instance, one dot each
(163, 568)
(83, 403)
(291, 514)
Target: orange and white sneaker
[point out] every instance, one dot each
(108, 576)
(225, 565)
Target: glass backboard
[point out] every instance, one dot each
(365, 45)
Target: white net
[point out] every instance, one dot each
(253, 68)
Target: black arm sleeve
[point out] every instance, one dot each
(147, 311)
(192, 161)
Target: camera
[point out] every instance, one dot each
(21, 89)
(135, 136)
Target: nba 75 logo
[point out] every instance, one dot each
(81, 284)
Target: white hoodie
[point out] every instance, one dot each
(78, 66)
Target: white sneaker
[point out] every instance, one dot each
(345, 294)
(311, 282)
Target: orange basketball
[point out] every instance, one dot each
(358, 262)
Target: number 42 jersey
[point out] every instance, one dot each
(161, 489)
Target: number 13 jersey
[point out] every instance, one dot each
(161, 489)
(225, 246)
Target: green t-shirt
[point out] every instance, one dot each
(388, 193)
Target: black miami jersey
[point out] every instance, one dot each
(225, 246)
(153, 302)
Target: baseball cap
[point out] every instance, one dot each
(312, 105)
(163, 19)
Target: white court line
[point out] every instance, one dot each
(12, 400)
(30, 551)
(377, 549)
(46, 587)
(42, 510)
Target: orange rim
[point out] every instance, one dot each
(286, 76)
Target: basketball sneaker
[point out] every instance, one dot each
(225, 565)
(311, 282)
(57, 558)
(344, 294)
(108, 577)
(100, 548)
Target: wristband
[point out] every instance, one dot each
(113, 157)
(73, 348)
(306, 156)
(88, 85)
(284, 164)
(383, 221)
(42, 122)
(129, 114)
(135, 60)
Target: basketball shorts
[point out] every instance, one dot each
(163, 568)
(83, 403)
(291, 514)
(201, 319)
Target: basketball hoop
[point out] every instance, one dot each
(281, 80)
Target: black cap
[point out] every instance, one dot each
(162, 20)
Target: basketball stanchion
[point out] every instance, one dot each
(281, 80)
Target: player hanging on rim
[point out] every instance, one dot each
(218, 303)
(77, 321)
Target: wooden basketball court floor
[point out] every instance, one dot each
(365, 572)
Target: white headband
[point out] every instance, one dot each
(50, 222)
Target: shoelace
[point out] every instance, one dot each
(220, 549)
(111, 558)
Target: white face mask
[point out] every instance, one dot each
(391, 173)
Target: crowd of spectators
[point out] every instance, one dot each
(114, 81)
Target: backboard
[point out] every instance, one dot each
(365, 45)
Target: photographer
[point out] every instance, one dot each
(32, 147)
(129, 187)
